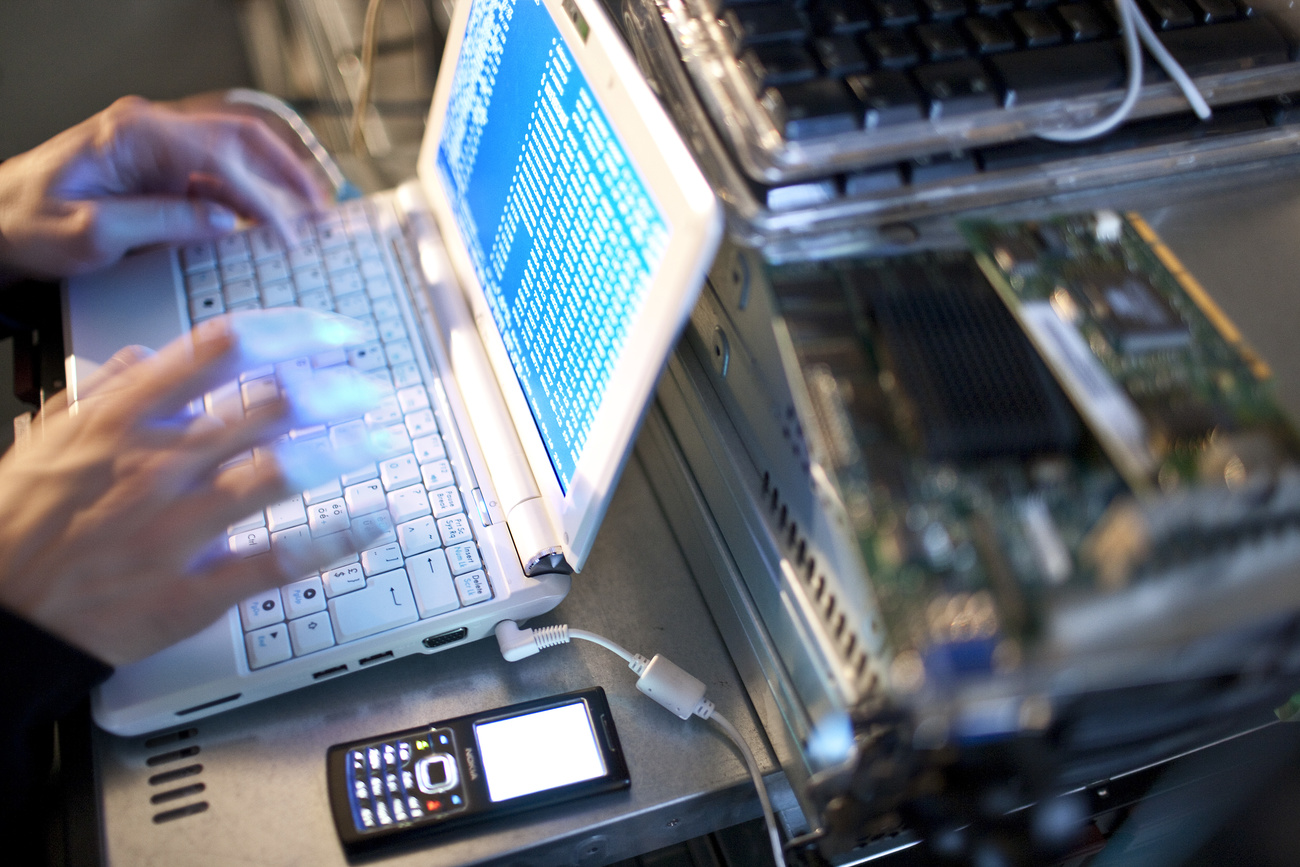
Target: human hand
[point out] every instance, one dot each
(142, 173)
(108, 518)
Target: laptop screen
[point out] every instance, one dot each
(560, 227)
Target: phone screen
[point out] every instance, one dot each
(538, 751)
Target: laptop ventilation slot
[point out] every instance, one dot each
(176, 784)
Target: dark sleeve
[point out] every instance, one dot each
(43, 679)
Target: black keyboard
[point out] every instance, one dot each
(802, 89)
(830, 66)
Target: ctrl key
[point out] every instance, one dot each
(268, 646)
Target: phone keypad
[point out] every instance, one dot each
(405, 780)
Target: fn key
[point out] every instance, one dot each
(811, 109)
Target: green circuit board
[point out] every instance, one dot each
(998, 420)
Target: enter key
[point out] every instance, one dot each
(385, 603)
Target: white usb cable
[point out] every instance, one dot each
(662, 680)
(1133, 27)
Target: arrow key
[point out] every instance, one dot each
(311, 633)
(267, 646)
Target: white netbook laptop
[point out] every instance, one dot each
(523, 295)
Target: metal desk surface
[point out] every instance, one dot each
(263, 767)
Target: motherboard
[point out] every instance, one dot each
(1049, 444)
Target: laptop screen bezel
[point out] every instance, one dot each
(687, 205)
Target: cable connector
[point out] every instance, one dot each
(517, 643)
(672, 687)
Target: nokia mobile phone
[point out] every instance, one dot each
(473, 768)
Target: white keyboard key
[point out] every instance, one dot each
(445, 501)
(399, 352)
(344, 579)
(385, 603)
(331, 235)
(202, 283)
(454, 529)
(399, 472)
(225, 402)
(378, 287)
(463, 558)
(303, 597)
(295, 539)
(237, 269)
(315, 299)
(232, 248)
(413, 398)
(385, 308)
(340, 259)
(437, 475)
(399, 441)
(367, 356)
(392, 330)
(428, 449)
(311, 633)
(265, 243)
(387, 413)
(304, 256)
(365, 498)
(319, 494)
(378, 560)
(279, 294)
(261, 610)
(251, 542)
(310, 279)
(354, 305)
(473, 587)
(348, 435)
(373, 268)
(365, 246)
(421, 423)
(259, 392)
(435, 593)
(328, 517)
(239, 292)
(405, 374)
(273, 269)
(268, 646)
(293, 370)
(364, 473)
(206, 306)
(374, 529)
(286, 513)
(418, 536)
(198, 255)
(407, 504)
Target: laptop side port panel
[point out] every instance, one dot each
(444, 638)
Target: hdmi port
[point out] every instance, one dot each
(446, 637)
(378, 656)
(338, 669)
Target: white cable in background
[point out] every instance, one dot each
(662, 680)
(369, 37)
(1133, 58)
(769, 817)
(1135, 32)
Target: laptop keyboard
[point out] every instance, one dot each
(828, 66)
(424, 561)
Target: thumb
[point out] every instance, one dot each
(124, 223)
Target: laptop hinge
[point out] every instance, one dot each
(530, 528)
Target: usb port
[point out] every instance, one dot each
(378, 656)
(446, 637)
(328, 671)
